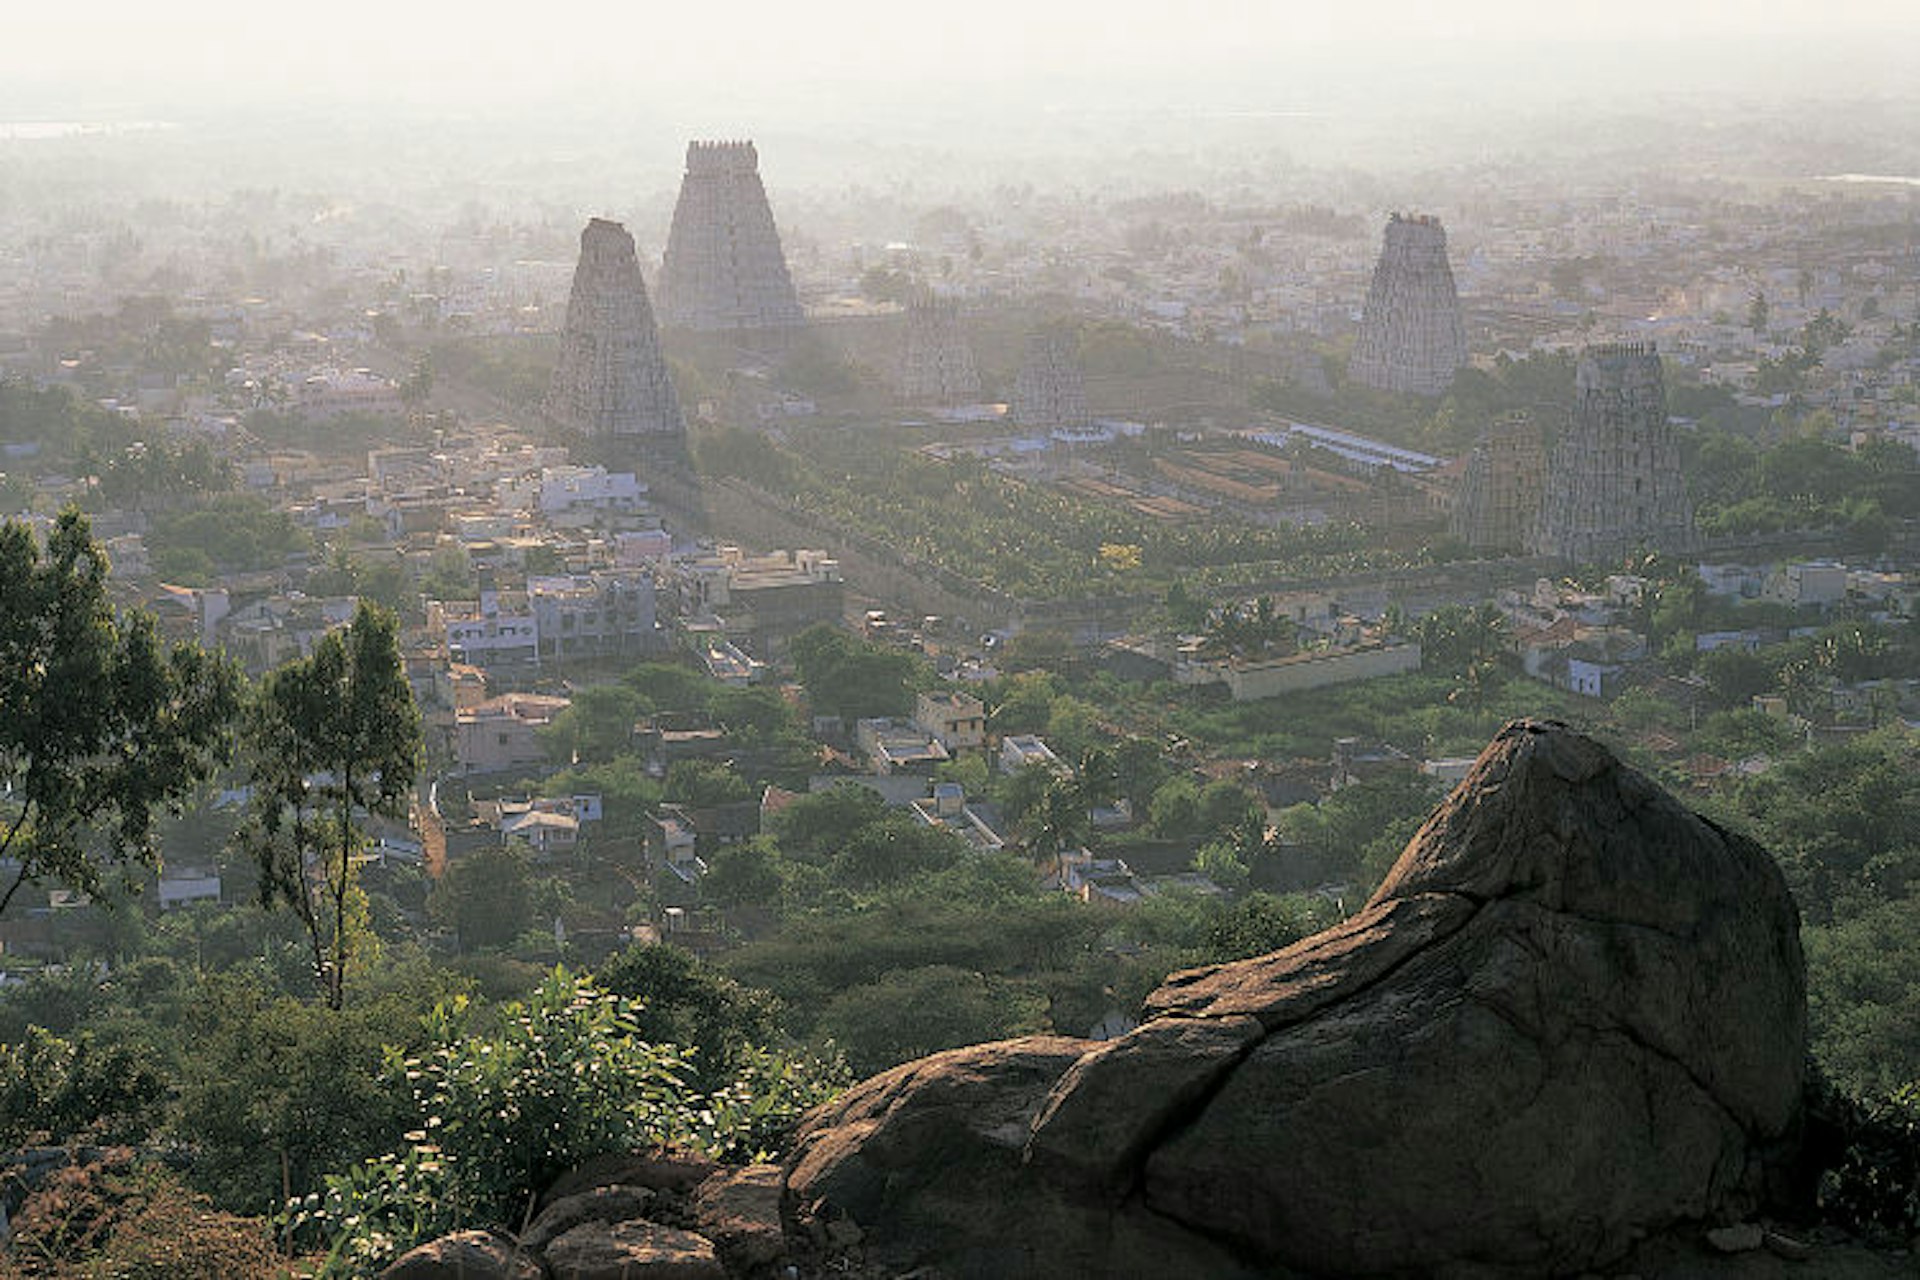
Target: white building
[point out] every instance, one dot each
(333, 393)
(498, 629)
(1019, 750)
(572, 494)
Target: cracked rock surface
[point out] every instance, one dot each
(1573, 1015)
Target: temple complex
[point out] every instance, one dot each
(1615, 485)
(1499, 497)
(1411, 337)
(724, 268)
(1049, 390)
(611, 379)
(937, 367)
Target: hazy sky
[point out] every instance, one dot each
(108, 55)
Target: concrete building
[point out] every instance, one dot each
(898, 746)
(958, 721)
(1812, 582)
(765, 600)
(500, 734)
(498, 629)
(1021, 750)
(573, 495)
(948, 809)
(332, 393)
(1250, 680)
(594, 615)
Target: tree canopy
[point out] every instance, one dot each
(332, 737)
(850, 677)
(101, 722)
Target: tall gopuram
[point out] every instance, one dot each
(723, 267)
(611, 379)
(937, 367)
(1614, 484)
(1049, 390)
(1499, 497)
(1411, 338)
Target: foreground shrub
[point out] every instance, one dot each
(560, 1078)
(129, 1220)
(1871, 1180)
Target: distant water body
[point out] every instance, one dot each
(41, 130)
(1894, 179)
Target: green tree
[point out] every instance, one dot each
(1863, 1007)
(331, 737)
(1735, 675)
(1174, 811)
(894, 848)
(850, 677)
(668, 686)
(703, 784)
(747, 874)
(679, 998)
(277, 1091)
(57, 1089)
(1227, 810)
(752, 712)
(486, 896)
(1073, 727)
(1023, 703)
(101, 724)
(1455, 638)
(1037, 651)
(1224, 864)
(1363, 827)
(1140, 766)
(906, 1014)
(815, 825)
(1262, 922)
(596, 725)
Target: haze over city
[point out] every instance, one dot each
(1034, 640)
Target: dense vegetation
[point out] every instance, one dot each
(1028, 540)
(395, 1104)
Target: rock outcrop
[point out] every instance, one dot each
(1572, 1016)
(647, 1215)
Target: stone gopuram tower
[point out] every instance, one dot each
(1049, 391)
(723, 267)
(1411, 338)
(938, 366)
(1615, 483)
(611, 379)
(1499, 498)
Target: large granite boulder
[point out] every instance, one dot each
(466, 1255)
(1572, 1015)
